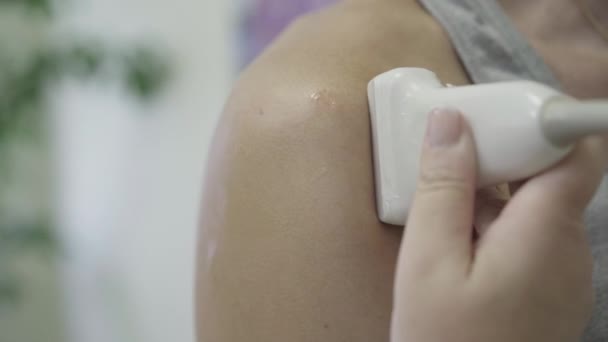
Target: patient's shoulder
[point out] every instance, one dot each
(304, 99)
(324, 60)
(289, 196)
(356, 40)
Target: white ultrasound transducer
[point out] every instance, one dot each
(520, 128)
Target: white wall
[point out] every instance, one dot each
(129, 177)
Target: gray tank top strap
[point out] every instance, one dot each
(490, 47)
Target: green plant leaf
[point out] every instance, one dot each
(23, 91)
(42, 7)
(83, 60)
(28, 237)
(10, 291)
(146, 72)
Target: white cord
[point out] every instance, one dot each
(566, 121)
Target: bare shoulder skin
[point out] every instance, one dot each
(290, 246)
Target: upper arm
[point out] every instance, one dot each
(291, 248)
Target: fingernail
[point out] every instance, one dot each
(444, 127)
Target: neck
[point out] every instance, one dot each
(561, 20)
(597, 13)
(600, 8)
(564, 36)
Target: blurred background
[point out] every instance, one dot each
(107, 108)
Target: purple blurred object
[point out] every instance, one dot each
(267, 18)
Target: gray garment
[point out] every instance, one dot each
(491, 49)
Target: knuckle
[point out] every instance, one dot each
(421, 264)
(441, 180)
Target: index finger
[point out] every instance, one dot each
(439, 228)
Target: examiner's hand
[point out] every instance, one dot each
(526, 278)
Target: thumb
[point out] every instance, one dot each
(550, 206)
(439, 228)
